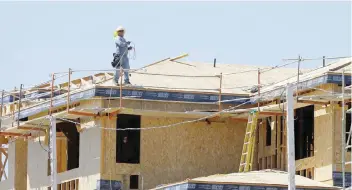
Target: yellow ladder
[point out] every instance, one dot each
(248, 145)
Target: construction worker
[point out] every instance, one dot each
(120, 57)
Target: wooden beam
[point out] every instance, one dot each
(271, 113)
(313, 102)
(14, 134)
(154, 63)
(21, 161)
(2, 150)
(83, 113)
(78, 127)
(179, 57)
(3, 140)
(31, 128)
(46, 138)
(2, 169)
(114, 113)
(1, 166)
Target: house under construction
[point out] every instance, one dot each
(179, 120)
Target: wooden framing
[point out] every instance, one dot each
(68, 185)
(272, 113)
(31, 128)
(114, 113)
(179, 57)
(83, 113)
(14, 134)
(313, 102)
(3, 163)
(21, 155)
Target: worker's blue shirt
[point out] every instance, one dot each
(121, 47)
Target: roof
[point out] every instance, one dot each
(335, 67)
(258, 178)
(204, 77)
(170, 80)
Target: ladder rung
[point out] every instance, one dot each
(245, 153)
(243, 164)
(246, 143)
(248, 133)
(250, 121)
(346, 163)
(348, 146)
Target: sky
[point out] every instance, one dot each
(39, 38)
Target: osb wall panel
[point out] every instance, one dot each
(323, 144)
(323, 174)
(61, 152)
(176, 153)
(323, 135)
(21, 164)
(337, 129)
(338, 142)
(189, 151)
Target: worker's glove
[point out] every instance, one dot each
(129, 48)
(128, 43)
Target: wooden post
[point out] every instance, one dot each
(121, 75)
(19, 106)
(52, 149)
(298, 68)
(220, 92)
(68, 90)
(343, 132)
(2, 105)
(52, 93)
(290, 139)
(258, 89)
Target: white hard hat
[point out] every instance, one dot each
(120, 28)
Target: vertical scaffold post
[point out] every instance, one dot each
(2, 105)
(52, 93)
(258, 89)
(343, 133)
(298, 68)
(220, 93)
(121, 75)
(68, 90)
(290, 138)
(52, 141)
(53, 152)
(19, 106)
